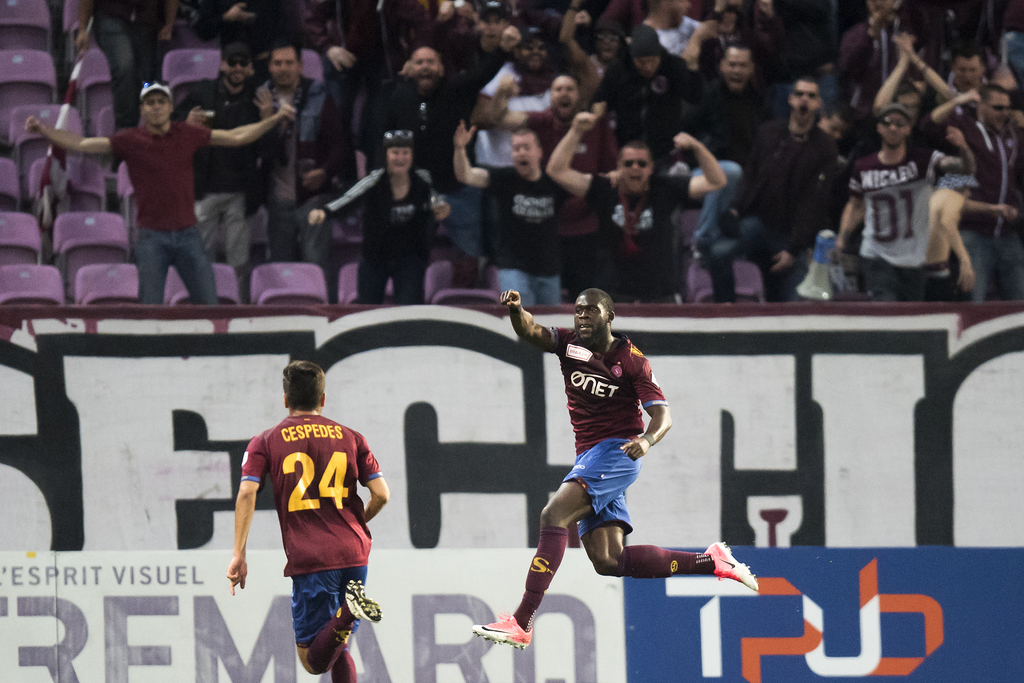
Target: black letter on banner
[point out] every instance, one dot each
(427, 653)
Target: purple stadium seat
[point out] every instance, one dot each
(749, 286)
(348, 283)
(465, 297)
(182, 67)
(24, 25)
(687, 226)
(107, 283)
(287, 284)
(87, 190)
(19, 239)
(26, 77)
(312, 67)
(175, 291)
(81, 238)
(437, 278)
(30, 284)
(29, 147)
(10, 192)
(94, 93)
(348, 229)
(103, 123)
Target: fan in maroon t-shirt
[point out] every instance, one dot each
(607, 381)
(314, 465)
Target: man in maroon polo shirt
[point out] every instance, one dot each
(159, 156)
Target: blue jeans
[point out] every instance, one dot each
(715, 203)
(758, 244)
(157, 250)
(406, 272)
(463, 225)
(535, 290)
(1002, 256)
(131, 52)
(1013, 44)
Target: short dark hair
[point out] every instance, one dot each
(303, 383)
(806, 78)
(737, 45)
(526, 130)
(967, 50)
(603, 299)
(635, 144)
(989, 89)
(283, 43)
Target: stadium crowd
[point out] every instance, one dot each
(662, 150)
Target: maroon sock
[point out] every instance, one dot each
(329, 640)
(550, 548)
(344, 669)
(652, 562)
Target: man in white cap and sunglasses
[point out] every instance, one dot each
(159, 157)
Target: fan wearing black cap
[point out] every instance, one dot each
(400, 210)
(648, 92)
(159, 157)
(227, 188)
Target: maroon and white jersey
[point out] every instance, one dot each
(605, 391)
(314, 464)
(896, 205)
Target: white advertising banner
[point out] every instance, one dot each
(163, 617)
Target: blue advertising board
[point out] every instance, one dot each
(932, 614)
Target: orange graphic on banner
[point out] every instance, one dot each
(755, 648)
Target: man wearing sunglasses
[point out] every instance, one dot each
(225, 178)
(988, 227)
(635, 214)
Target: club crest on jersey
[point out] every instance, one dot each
(617, 370)
(578, 353)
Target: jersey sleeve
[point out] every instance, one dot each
(647, 388)
(366, 462)
(601, 196)
(198, 136)
(120, 145)
(561, 336)
(256, 461)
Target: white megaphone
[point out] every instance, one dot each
(818, 285)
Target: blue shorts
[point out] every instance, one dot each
(605, 472)
(317, 597)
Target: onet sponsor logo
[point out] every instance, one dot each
(595, 384)
(811, 644)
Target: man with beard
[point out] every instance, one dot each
(782, 201)
(649, 93)
(225, 179)
(525, 245)
(431, 104)
(635, 215)
(598, 152)
(890, 192)
(607, 382)
(520, 86)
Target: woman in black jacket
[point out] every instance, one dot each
(399, 217)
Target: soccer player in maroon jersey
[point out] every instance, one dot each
(314, 465)
(607, 381)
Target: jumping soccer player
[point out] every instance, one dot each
(314, 464)
(607, 380)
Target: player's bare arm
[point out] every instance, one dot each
(243, 135)
(464, 173)
(560, 165)
(68, 140)
(379, 495)
(960, 164)
(523, 324)
(661, 422)
(245, 506)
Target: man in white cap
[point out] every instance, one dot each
(159, 157)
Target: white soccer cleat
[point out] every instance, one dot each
(360, 605)
(726, 566)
